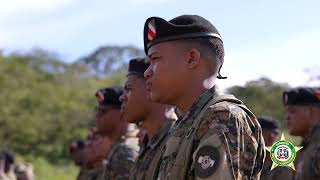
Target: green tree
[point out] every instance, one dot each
(263, 97)
(45, 104)
(106, 60)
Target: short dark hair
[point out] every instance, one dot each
(210, 48)
(269, 123)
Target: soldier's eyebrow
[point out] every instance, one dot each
(150, 56)
(127, 85)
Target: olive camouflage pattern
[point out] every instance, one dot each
(219, 138)
(308, 158)
(278, 173)
(89, 174)
(120, 160)
(149, 159)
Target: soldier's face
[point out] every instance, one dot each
(269, 137)
(107, 119)
(297, 120)
(166, 75)
(135, 103)
(96, 150)
(77, 156)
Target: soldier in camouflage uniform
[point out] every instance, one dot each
(94, 155)
(24, 171)
(137, 108)
(89, 156)
(303, 119)
(218, 137)
(270, 132)
(110, 122)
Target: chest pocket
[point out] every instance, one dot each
(172, 147)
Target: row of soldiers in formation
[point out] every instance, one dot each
(111, 149)
(192, 131)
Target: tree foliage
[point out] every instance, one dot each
(46, 103)
(263, 97)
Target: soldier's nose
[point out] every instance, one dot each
(148, 73)
(121, 98)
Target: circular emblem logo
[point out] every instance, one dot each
(207, 161)
(283, 153)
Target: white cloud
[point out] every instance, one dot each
(14, 7)
(148, 1)
(283, 60)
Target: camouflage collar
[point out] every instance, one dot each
(114, 146)
(157, 138)
(143, 145)
(196, 107)
(313, 133)
(160, 134)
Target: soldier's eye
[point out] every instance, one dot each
(128, 88)
(155, 58)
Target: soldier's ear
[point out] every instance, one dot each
(315, 112)
(193, 56)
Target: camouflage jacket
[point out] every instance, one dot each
(89, 174)
(278, 173)
(215, 140)
(308, 158)
(120, 160)
(147, 164)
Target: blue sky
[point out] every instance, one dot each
(276, 39)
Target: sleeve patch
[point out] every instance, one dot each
(207, 161)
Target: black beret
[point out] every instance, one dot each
(8, 156)
(109, 96)
(302, 96)
(268, 123)
(157, 30)
(2, 156)
(138, 66)
(80, 144)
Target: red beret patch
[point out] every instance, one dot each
(100, 97)
(151, 30)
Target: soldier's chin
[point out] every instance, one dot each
(132, 120)
(102, 132)
(154, 97)
(293, 132)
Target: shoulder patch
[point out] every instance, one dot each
(207, 161)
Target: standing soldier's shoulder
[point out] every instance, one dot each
(222, 117)
(315, 162)
(126, 152)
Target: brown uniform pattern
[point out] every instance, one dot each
(226, 142)
(120, 160)
(278, 173)
(88, 174)
(308, 158)
(149, 159)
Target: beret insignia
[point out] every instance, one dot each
(151, 30)
(100, 97)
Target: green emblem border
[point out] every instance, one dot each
(285, 143)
